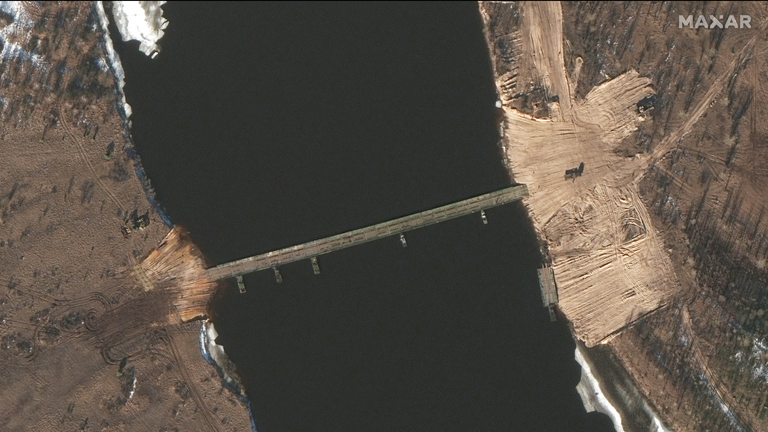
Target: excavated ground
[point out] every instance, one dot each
(608, 259)
(659, 247)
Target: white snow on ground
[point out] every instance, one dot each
(114, 60)
(142, 21)
(133, 388)
(19, 28)
(657, 426)
(592, 396)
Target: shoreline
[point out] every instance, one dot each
(125, 111)
(591, 392)
(620, 390)
(597, 392)
(210, 351)
(214, 354)
(93, 331)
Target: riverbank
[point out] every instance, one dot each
(87, 339)
(608, 274)
(668, 203)
(146, 24)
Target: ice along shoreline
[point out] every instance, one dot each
(152, 20)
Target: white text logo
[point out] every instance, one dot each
(745, 21)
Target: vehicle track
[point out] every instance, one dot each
(674, 138)
(111, 195)
(207, 415)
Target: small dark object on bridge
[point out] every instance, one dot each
(574, 172)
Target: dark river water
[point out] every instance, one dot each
(266, 125)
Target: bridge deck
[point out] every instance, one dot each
(370, 233)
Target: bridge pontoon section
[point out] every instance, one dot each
(397, 226)
(548, 286)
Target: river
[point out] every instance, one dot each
(267, 125)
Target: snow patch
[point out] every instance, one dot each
(208, 335)
(657, 426)
(214, 353)
(592, 396)
(114, 60)
(760, 345)
(14, 50)
(757, 357)
(133, 388)
(141, 21)
(19, 29)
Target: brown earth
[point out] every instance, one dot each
(660, 246)
(607, 257)
(96, 300)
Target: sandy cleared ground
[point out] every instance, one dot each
(91, 328)
(660, 247)
(609, 263)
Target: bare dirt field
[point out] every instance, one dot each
(610, 265)
(95, 307)
(659, 246)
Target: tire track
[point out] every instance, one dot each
(84, 156)
(207, 415)
(675, 137)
